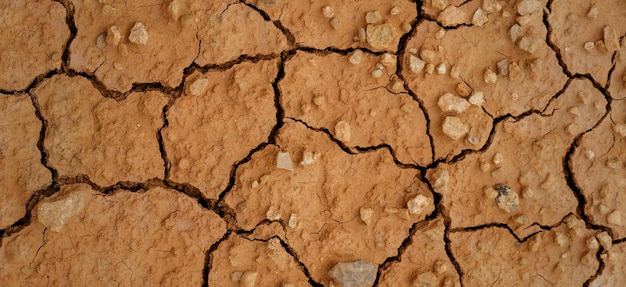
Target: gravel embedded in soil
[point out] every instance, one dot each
(312, 143)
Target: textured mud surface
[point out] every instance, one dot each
(313, 143)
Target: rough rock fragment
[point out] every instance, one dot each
(113, 36)
(329, 229)
(257, 263)
(525, 7)
(418, 204)
(380, 36)
(342, 131)
(21, 171)
(451, 103)
(84, 138)
(479, 18)
(454, 128)
(611, 39)
(424, 260)
(377, 116)
(416, 64)
(452, 16)
(493, 255)
(540, 143)
(32, 37)
(135, 238)
(138, 34)
(208, 133)
(283, 161)
(507, 199)
(54, 212)
(198, 86)
(354, 274)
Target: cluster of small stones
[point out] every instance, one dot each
(64, 208)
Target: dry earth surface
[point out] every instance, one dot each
(312, 143)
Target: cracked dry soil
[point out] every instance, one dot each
(312, 143)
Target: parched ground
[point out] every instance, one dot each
(312, 143)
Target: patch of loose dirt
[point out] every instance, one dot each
(298, 143)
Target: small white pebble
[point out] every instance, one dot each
(503, 67)
(366, 215)
(113, 35)
(416, 64)
(355, 57)
(388, 60)
(490, 193)
(589, 46)
(593, 12)
(417, 204)
(561, 239)
(479, 18)
(440, 34)
(293, 220)
(197, 87)
(454, 128)
(283, 161)
(373, 17)
(334, 22)
(377, 73)
(592, 243)
(498, 158)
(430, 68)
(309, 158)
(605, 240)
(342, 131)
(477, 98)
(515, 32)
(451, 103)
(490, 76)
(442, 68)
(138, 34)
(427, 55)
(528, 193)
(272, 215)
(328, 11)
(101, 41)
(395, 11)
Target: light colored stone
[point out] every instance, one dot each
(454, 128)
(615, 218)
(373, 17)
(54, 212)
(452, 16)
(490, 76)
(479, 18)
(138, 34)
(342, 131)
(477, 98)
(198, 87)
(366, 215)
(529, 6)
(416, 64)
(417, 204)
(113, 35)
(611, 40)
(507, 199)
(354, 274)
(283, 161)
(451, 103)
(355, 57)
(380, 36)
(328, 11)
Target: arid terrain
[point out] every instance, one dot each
(290, 143)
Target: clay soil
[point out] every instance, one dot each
(312, 143)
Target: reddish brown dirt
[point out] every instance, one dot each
(312, 143)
